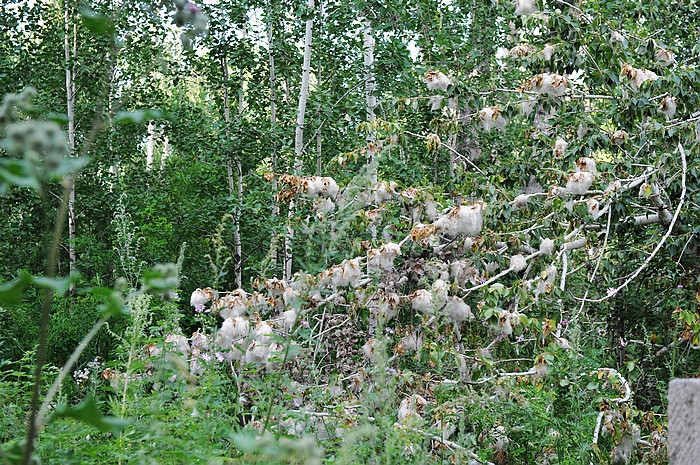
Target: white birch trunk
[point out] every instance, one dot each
(299, 136)
(238, 256)
(370, 87)
(273, 126)
(229, 176)
(150, 145)
(70, 104)
(319, 139)
(452, 143)
(227, 119)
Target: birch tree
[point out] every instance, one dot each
(368, 44)
(275, 211)
(70, 49)
(299, 131)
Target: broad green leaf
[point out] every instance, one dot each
(66, 166)
(14, 453)
(58, 285)
(136, 116)
(113, 306)
(96, 22)
(161, 278)
(11, 293)
(87, 412)
(16, 173)
(245, 442)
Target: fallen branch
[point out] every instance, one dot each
(663, 239)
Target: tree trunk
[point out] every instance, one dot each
(273, 130)
(227, 119)
(229, 174)
(238, 257)
(150, 145)
(370, 87)
(299, 136)
(70, 104)
(319, 139)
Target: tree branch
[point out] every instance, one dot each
(663, 239)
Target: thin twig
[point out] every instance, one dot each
(597, 265)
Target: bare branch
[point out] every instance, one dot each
(663, 239)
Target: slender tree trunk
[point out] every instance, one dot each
(150, 144)
(238, 257)
(232, 187)
(299, 135)
(319, 138)
(227, 119)
(113, 167)
(273, 131)
(370, 87)
(304, 93)
(452, 143)
(70, 104)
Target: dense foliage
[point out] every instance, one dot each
(492, 222)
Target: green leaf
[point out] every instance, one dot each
(67, 165)
(87, 412)
(14, 453)
(16, 173)
(245, 442)
(96, 22)
(136, 116)
(113, 306)
(58, 285)
(161, 278)
(11, 293)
